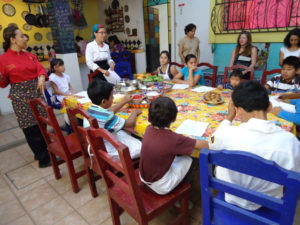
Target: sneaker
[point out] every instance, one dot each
(44, 165)
(190, 204)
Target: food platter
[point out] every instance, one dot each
(213, 98)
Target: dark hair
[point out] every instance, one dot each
(286, 40)
(114, 38)
(55, 62)
(8, 33)
(292, 61)
(162, 112)
(99, 90)
(236, 73)
(250, 96)
(249, 46)
(167, 54)
(78, 38)
(189, 28)
(189, 57)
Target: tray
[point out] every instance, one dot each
(213, 102)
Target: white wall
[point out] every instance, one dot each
(193, 11)
(163, 27)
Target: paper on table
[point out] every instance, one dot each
(85, 98)
(285, 106)
(191, 127)
(203, 89)
(180, 86)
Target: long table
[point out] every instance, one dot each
(190, 106)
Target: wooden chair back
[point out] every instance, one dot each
(253, 165)
(213, 78)
(268, 73)
(235, 67)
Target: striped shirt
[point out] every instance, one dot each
(279, 84)
(106, 118)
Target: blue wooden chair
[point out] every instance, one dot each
(216, 210)
(123, 68)
(116, 57)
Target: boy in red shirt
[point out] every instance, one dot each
(164, 159)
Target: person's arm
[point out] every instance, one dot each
(290, 95)
(181, 51)
(232, 58)
(177, 79)
(281, 55)
(110, 62)
(193, 80)
(253, 60)
(89, 58)
(292, 117)
(198, 54)
(71, 89)
(41, 73)
(201, 144)
(173, 71)
(4, 81)
(130, 122)
(231, 111)
(115, 108)
(56, 90)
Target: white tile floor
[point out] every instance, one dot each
(29, 195)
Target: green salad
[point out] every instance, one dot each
(153, 78)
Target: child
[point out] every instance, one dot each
(101, 95)
(165, 69)
(60, 82)
(257, 135)
(161, 167)
(234, 80)
(191, 73)
(287, 81)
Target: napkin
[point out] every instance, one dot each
(203, 89)
(180, 86)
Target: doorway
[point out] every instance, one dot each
(157, 30)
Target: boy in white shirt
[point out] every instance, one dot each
(257, 135)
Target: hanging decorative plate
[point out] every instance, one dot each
(38, 36)
(49, 36)
(127, 19)
(8, 9)
(24, 13)
(126, 8)
(127, 30)
(27, 27)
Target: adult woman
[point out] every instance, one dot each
(244, 54)
(26, 77)
(115, 44)
(291, 45)
(97, 54)
(189, 44)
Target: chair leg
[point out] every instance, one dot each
(185, 209)
(92, 181)
(55, 166)
(72, 175)
(114, 209)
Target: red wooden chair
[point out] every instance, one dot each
(66, 147)
(226, 77)
(213, 78)
(267, 73)
(81, 133)
(91, 75)
(126, 192)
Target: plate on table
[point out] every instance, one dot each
(213, 98)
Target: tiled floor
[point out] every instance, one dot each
(29, 195)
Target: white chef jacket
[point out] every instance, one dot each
(95, 53)
(262, 138)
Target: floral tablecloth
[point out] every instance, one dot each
(190, 106)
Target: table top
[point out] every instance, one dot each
(190, 106)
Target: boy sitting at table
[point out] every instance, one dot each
(257, 135)
(234, 79)
(288, 81)
(165, 160)
(101, 95)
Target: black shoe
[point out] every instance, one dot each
(44, 165)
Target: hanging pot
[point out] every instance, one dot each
(115, 4)
(30, 18)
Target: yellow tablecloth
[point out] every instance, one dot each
(190, 106)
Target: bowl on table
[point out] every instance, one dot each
(152, 95)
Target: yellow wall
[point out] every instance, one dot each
(256, 37)
(91, 14)
(18, 19)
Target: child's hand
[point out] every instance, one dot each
(137, 112)
(276, 110)
(231, 111)
(128, 98)
(220, 87)
(192, 68)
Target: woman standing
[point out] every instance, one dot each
(97, 54)
(189, 44)
(26, 77)
(291, 45)
(244, 54)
